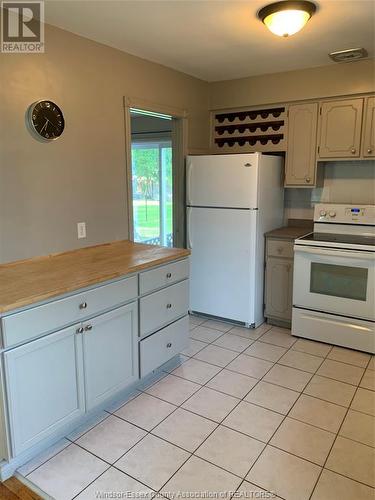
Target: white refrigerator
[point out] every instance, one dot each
(232, 200)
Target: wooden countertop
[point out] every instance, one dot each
(289, 232)
(33, 280)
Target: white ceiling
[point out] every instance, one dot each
(216, 39)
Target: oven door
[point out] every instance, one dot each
(335, 281)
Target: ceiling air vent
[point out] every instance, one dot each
(348, 55)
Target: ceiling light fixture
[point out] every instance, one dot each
(287, 17)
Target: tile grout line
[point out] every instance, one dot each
(179, 406)
(278, 427)
(243, 400)
(300, 393)
(217, 424)
(142, 391)
(334, 441)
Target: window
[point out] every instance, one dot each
(152, 187)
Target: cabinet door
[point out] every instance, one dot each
(279, 287)
(44, 383)
(368, 147)
(340, 130)
(300, 167)
(110, 353)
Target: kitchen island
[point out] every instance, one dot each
(79, 328)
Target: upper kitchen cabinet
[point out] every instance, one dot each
(300, 168)
(368, 141)
(340, 129)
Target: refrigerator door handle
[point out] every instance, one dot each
(188, 178)
(189, 242)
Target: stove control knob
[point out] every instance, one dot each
(332, 214)
(323, 213)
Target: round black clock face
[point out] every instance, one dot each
(46, 120)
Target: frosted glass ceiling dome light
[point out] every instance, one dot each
(287, 17)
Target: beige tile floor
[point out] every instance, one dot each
(246, 411)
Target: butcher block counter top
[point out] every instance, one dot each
(41, 278)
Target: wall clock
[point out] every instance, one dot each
(45, 120)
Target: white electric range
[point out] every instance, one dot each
(334, 278)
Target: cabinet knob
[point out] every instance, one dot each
(79, 330)
(169, 306)
(169, 275)
(83, 305)
(88, 328)
(353, 151)
(369, 150)
(307, 179)
(169, 344)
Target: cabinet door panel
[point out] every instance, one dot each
(340, 132)
(368, 148)
(45, 387)
(279, 286)
(110, 353)
(300, 159)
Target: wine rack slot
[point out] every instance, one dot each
(250, 130)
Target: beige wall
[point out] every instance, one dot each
(45, 189)
(326, 81)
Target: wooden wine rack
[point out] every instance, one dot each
(261, 130)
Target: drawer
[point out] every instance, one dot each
(26, 325)
(163, 307)
(280, 248)
(163, 276)
(163, 345)
(108, 296)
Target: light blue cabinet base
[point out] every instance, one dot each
(53, 380)
(7, 469)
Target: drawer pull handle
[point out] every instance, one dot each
(169, 306)
(83, 305)
(79, 330)
(169, 344)
(88, 328)
(169, 275)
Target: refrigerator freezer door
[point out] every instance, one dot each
(222, 268)
(222, 180)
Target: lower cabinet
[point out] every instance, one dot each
(278, 294)
(279, 277)
(44, 383)
(53, 380)
(163, 345)
(110, 352)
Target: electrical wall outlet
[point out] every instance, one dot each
(81, 230)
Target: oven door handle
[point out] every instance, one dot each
(353, 254)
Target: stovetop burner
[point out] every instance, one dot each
(350, 239)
